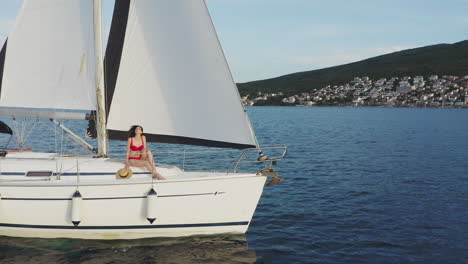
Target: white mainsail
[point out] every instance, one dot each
(50, 57)
(174, 79)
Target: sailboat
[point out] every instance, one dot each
(162, 62)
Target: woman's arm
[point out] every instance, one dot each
(143, 140)
(144, 151)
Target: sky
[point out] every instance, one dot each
(268, 38)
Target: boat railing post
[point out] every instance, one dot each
(239, 159)
(77, 175)
(183, 161)
(268, 164)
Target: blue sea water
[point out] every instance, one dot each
(363, 185)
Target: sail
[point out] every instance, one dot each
(50, 59)
(172, 77)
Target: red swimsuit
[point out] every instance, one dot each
(135, 148)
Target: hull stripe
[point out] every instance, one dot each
(103, 198)
(125, 227)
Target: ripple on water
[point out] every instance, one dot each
(201, 249)
(364, 185)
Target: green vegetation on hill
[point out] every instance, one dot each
(442, 59)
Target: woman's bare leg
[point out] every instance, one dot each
(136, 163)
(150, 158)
(148, 166)
(153, 165)
(153, 171)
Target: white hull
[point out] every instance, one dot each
(187, 203)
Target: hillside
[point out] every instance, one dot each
(441, 59)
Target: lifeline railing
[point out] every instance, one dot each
(228, 160)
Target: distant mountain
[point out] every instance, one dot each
(441, 59)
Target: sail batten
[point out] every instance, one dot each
(173, 78)
(49, 62)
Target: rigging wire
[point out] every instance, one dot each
(56, 150)
(25, 137)
(15, 127)
(21, 135)
(61, 150)
(69, 140)
(23, 131)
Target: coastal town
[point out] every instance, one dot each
(417, 91)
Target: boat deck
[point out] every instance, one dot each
(15, 167)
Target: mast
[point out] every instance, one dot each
(100, 96)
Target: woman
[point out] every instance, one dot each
(137, 153)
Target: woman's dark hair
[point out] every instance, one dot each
(131, 132)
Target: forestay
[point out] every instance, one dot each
(49, 61)
(173, 77)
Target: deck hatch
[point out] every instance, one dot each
(39, 173)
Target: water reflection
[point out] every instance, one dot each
(197, 249)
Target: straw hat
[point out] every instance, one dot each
(124, 174)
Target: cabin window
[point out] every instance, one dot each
(39, 173)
